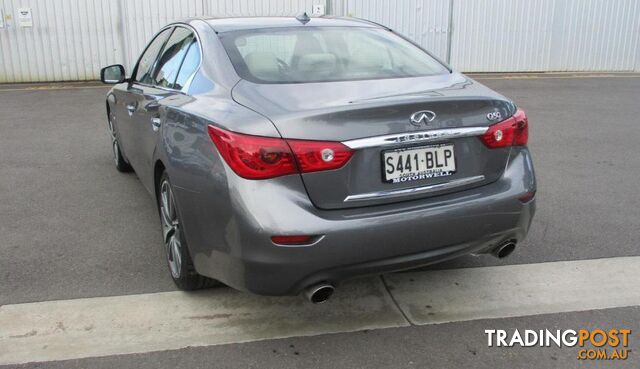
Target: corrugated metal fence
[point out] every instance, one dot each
(424, 21)
(517, 35)
(73, 39)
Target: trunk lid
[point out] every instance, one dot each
(351, 111)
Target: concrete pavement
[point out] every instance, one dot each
(103, 326)
(73, 228)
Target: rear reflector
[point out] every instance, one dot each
(527, 196)
(510, 132)
(257, 157)
(292, 240)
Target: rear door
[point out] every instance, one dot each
(154, 94)
(133, 99)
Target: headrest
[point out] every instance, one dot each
(317, 66)
(263, 65)
(368, 60)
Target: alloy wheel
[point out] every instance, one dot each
(170, 229)
(114, 143)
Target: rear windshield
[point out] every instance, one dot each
(323, 54)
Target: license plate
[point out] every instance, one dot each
(418, 163)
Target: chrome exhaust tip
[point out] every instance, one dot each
(504, 249)
(319, 293)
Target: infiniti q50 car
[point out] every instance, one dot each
(287, 154)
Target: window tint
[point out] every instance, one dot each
(282, 46)
(320, 54)
(145, 65)
(189, 65)
(365, 52)
(171, 57)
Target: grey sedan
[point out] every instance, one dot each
(287, 154)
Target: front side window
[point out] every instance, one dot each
(171, 58)
(148, 58)
(322, 54)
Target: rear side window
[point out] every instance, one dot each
(148, 58)
(189, 65)
(171, 58)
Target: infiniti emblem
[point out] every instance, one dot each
(422, 117)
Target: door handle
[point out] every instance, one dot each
(131, 108)
(154, 105)
(155, 124)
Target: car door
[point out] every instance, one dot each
(131, 98)
(154, 98)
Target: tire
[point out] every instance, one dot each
(118, 158)
(179, 260)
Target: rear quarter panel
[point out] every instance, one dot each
(203, 183)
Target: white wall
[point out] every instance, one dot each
(424, 21)
(599, 35)
(73, 39)
(69, 40)
(517, 35)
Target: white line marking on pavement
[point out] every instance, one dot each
(102, 326)
(70, 329)
(517, 290)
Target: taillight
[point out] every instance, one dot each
(257, 157)
(510, 132)
(313, 156)
(253, 157)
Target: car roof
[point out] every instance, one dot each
(246, 23)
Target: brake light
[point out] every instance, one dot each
(257, 157)
(510, 132)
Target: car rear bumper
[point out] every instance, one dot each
(359, 241)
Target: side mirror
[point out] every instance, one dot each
(112, 74)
